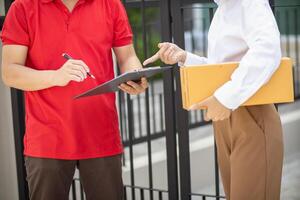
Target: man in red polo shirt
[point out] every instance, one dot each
(62, 133)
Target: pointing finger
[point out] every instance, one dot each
(151, 59)
(160, 45)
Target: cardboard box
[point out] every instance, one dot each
(200, 82)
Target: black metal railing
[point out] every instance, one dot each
(288, 19)
(288, 22)
(143, 193)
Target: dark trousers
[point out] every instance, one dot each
(50, 179)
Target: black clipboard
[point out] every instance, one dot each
(112, 85)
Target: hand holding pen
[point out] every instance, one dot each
(68, 57)
(72, 70)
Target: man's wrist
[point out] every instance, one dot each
(51, 78)
(131, 69)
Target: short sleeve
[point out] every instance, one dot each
(122, 30)
(15, 29)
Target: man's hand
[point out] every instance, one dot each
(169, 53)
(134, 88)
(128, 61)
(72, 70)
(215, 110)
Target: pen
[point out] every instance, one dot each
(68, 57)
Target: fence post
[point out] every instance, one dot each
(181, 114)
(171, 134)
(18, 111)
(131, 136)
(169, 102)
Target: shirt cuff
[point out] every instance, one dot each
(192, 59)
(227, 97)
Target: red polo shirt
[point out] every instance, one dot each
(57, 126)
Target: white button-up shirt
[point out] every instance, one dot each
(243, 31)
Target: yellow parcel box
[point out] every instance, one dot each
(200, 82)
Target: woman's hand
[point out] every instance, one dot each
(169, 53)
(215, 110)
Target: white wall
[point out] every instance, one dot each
(8, 174)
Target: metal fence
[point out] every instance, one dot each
(196, 42)
(190, 31)
(157, 115)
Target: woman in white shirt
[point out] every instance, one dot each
(249, 139)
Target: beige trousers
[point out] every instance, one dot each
(250, 153)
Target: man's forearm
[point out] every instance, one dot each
(130, 64)
(27, 79)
